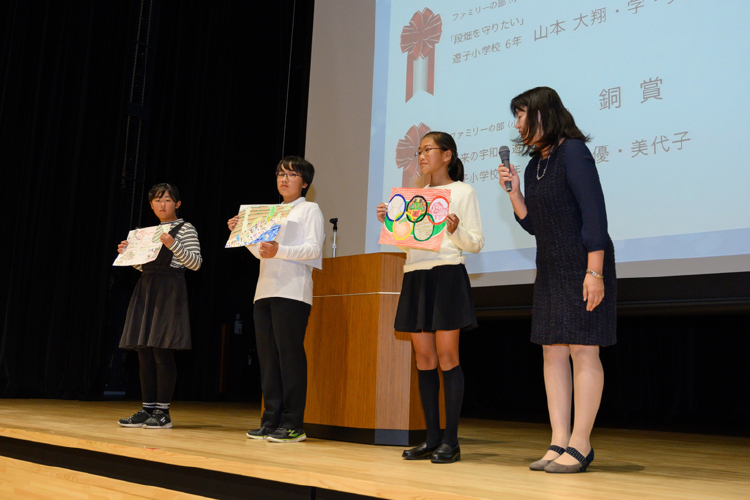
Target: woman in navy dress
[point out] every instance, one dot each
(574, 311)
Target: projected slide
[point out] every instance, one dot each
(660, 85)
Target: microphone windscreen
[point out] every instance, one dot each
(504, 153)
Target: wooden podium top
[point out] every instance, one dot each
(360, 274)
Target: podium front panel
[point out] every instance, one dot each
(362, 378)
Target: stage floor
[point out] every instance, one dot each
(495, 456)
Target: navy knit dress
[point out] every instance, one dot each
(567, 215)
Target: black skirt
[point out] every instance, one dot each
(436, 299)
(158, 314)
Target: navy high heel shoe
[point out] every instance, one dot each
(541, 464)
(556, 468)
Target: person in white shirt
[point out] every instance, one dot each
(283, 300)
(435, 302)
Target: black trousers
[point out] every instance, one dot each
(280, 326)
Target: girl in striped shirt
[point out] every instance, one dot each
(158, 322)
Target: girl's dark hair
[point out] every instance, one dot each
(159, 189)
(556, 121)
(445, 142)
(299, 165)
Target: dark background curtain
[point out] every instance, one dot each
(670, 372)
(63, 86)
(229, 99)
(222, 115)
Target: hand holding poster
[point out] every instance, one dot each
(143, 246)
(416, 218)
(258, 223)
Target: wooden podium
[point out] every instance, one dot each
(362, 377)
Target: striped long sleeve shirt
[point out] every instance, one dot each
(186, 248)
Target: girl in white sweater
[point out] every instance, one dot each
(435, 303)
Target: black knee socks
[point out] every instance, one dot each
(429, 392)
(454, 397)
(158, 376)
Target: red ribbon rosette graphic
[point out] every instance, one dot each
(418, 39)
(411, 177)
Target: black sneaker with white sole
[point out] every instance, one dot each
(136, 420)
(282, 435)
(261, 433)
(158, 420)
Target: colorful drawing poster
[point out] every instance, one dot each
(416, 218)
(258, 223)
(143, 246)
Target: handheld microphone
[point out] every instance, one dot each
(504, 152)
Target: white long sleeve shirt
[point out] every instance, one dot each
(289, 273)
(468, 236)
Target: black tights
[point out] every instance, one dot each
(158, 374)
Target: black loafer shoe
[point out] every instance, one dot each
(421, 452)
(444, 454)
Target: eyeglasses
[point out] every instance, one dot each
(425, 151)
(287, 175)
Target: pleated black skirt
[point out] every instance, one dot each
(436, 299)
(158, 314)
